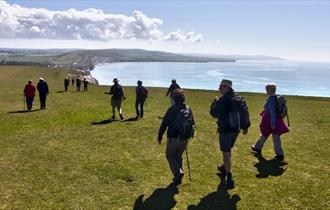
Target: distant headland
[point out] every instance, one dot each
(82, 59)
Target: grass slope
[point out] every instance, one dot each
(70, 157)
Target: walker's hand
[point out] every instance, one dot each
(124, 98)
(159, 140)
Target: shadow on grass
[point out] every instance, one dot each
(161, 198)
(61, 91)
(24, 111)
(219, 199)
(131, 119)
(104, 122)
(268, 168)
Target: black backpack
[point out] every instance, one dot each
(239, 117)
(281, 107)
(184, 123)
(117, 91)
(145, 92)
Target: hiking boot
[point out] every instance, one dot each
(279, 157)
(113, 117)
(222, 171)
(258, 151)
(178, 179)
(121, 116)
(230, 184)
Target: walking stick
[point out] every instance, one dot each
(188, 164)
(287, 117)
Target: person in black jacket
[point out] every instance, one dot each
(141, 96)
(43, 92)
(78, 84)
(85, 81)
(66, 83)
(170, 90)
(117, 98)
(220, 109)
(175, 145)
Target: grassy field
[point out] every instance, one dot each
(71, 157)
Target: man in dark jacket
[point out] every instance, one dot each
(117, 98)
(220, 109)
(78, 84)
(29, 93)
(66, 83)
(85, 81)
(43, 92)
(170, 90)
(141, 96)
(175, 144)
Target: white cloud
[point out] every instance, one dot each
(90, 24)
(182, 36)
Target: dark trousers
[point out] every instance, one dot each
(42, 98)
(29, 102)
(85, 88)
(139, 107)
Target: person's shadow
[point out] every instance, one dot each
(217, 200)
(131, 119)
(268, 168)
(102, 122)
(160, 199)
(24, 111)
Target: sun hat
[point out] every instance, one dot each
(226, 82)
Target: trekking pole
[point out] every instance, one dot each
(287, 117)
(23, 102)
(188, 164)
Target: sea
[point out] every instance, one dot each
(291, 77)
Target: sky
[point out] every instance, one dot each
(295, 30)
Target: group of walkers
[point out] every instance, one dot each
(78, 82)
(117, 93)
(232, 116)
(230, 110)
(30, 92)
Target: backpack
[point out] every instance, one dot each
(281, 107)
(239, 117)
(144, 92)
(184, 124)
(117, 91)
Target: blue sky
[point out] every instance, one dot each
(297, 30)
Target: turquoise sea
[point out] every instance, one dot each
(292, 77)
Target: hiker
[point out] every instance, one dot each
(66, 83)
(141, 96)
(43, 92)
(85, 84)
(170, 90)
(271, 124)
(221, 108)
(29, 93)
(176, 142)
(117, 93)
(72, 81)
(78, 84)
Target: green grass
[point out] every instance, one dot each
(56, 158)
